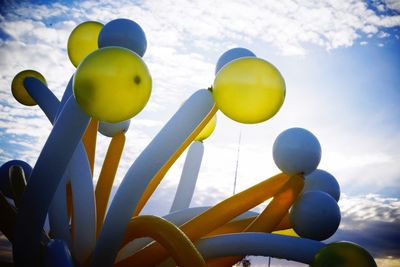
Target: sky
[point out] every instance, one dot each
(340, 60)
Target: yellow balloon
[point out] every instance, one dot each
(207, 130)
(112, 84)
(83, 41)
(289, 232)
(249, 90)
(18, 89)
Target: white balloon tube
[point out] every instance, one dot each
(260, 244)
(157, 156)
(178, 218)
(66, 95)
(190, 172)
(58, 215)
(84, 211)
(45, 178)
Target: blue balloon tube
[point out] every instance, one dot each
(45, 178)
(57, 254)
(46, 100)
(260, 244)
(81, 181)
(58, 215)
(190, 172)
(66, 96)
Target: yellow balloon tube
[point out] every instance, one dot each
(238, 226)
(272, 215)
(211, 219)
(232, 227)
(161, 173)
(89, 141)
(107, 175)
(169, 236)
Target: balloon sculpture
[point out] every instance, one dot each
(110, 86)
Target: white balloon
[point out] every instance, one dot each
(232, 54)
(296, 150)
(320, 180)
(315, 215)
(111, 129)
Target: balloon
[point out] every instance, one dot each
(296, 150)
(89, 140)
(45, 178)
(112, 84)
(66, 95)
(288, 232)
(58, 215)
(178, 218)
(42, 95)
(124, 33)
(260, 244)
(57, 254)
(8, 215)
(269, 219)
(213, 218)
(112, 129)
(190, 172)
(84, 207)
(107, 175)
(83, 41)
(170, 236)
(81, 181)
(320, 180)
(232, 54)
(5, 178)
(18, 88)
(249, 90)
(343, 254)
(208, 130)
(315, 215)
(143, 177)
(18, 183)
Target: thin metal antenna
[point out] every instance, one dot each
(237, 162)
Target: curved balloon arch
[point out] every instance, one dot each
(110, 86)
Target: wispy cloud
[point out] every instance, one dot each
(185, 39)
(372, 221)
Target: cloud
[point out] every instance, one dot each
(185, 39)
(371, 221)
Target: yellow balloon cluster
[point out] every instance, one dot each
(249, 90)
(83, 41)
(18, 89)
(112, 84)
(207, 130)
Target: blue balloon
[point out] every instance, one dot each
(124, 33)
(111, 129)
(231, 55)
(315, 215)
(5, 178)
(320, 180)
